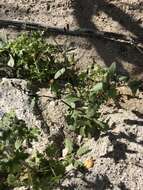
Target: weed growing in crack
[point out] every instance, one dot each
(18, 167)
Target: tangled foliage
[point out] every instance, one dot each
(18, 167)
(34, 59)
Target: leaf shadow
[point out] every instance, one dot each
(100, 182)
(109, 52)
(135, 121)
(120, 149)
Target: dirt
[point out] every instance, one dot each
(118, 154)
(122, 17)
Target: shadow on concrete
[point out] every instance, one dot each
(110, 51)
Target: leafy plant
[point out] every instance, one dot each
(73, 153)
(97, 86)
(31, 57)
(13, 134)
(45, 169)
(20, 168)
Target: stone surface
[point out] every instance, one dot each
(117, 154)
(13, 97)
(118, 157)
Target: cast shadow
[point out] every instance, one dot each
(101, 182)
(120, 149)
(135, 121)
(109, 51)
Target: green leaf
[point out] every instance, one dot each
(69, 145)
(59, 73)
(54, 87)
(82, 131)
(72, 127)
(123, 78)
(97, 88)
(112, 93)
(77, 164)
(92, 110)
(34, 132)
(71, 100)
(18, 144)
(112, 69)
(101, 125)
(11, 179)
(83, 150)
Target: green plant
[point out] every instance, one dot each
(97, 86)
(44, 170)
(13, 134)
(20, 168)
(73, 153)
(31, 57)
